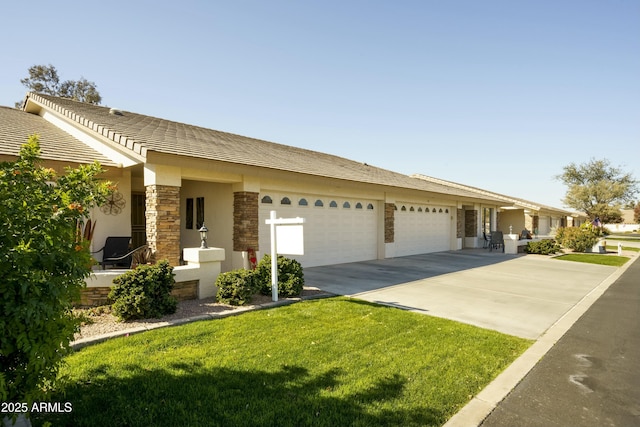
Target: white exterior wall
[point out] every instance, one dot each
(218, 216)
(113, 224)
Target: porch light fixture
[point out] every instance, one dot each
(203, 236)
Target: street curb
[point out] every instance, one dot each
(474, 412)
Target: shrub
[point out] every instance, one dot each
(43, 263)
(579, 239)
(290, 276)
(236, 287)
(144, 292)
(543, 247)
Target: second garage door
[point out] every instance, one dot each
(422, 229)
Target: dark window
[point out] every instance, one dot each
(189, 218)
(285, 201)
(333, 204)
(358, 205)
(303, 202)
(370, 206)
(199, 212)
(319, 203)
(267, 199)
(346, 205)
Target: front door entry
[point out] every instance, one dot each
(138, 220)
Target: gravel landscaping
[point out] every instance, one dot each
(100, 321)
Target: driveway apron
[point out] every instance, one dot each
(521, 295)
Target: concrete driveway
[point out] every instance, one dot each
(521, 295)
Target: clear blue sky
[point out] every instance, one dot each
(495, 94)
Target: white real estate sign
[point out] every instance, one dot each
(286, 238)
(290, 240)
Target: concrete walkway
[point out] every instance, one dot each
(521, 295)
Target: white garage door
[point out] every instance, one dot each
(422, 229)
(335, 231)
(544, 226)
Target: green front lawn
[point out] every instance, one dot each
(613, 260)
(624, 248)
(329, 362)
(624, 239)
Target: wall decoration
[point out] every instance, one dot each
(114, 204)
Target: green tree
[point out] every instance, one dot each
(636, 213)
(598, 189)
(45, 79)
(43, 263)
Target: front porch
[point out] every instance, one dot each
(195, 280)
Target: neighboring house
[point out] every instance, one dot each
(627, 225)
(516, 214)
(173, 177)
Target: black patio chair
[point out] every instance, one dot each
(497, 241)
(116, 252)
(487, 239)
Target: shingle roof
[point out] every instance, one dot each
(55, 144)
(506, 199)
(142, 134)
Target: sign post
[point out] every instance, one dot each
(286, 240)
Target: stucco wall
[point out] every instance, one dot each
(113, 224)
(513, 218)
(218, 216)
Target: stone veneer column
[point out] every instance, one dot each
(389, 222)
(471, 223)
(245, 221)
(163, 222)
(459, 223)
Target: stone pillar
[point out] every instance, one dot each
(459, 223)
(471, 223)
(245, 221)
(389, 222)
(163, 222)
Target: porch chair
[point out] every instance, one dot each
(116, 252)
(497, 240)
(487, 239)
